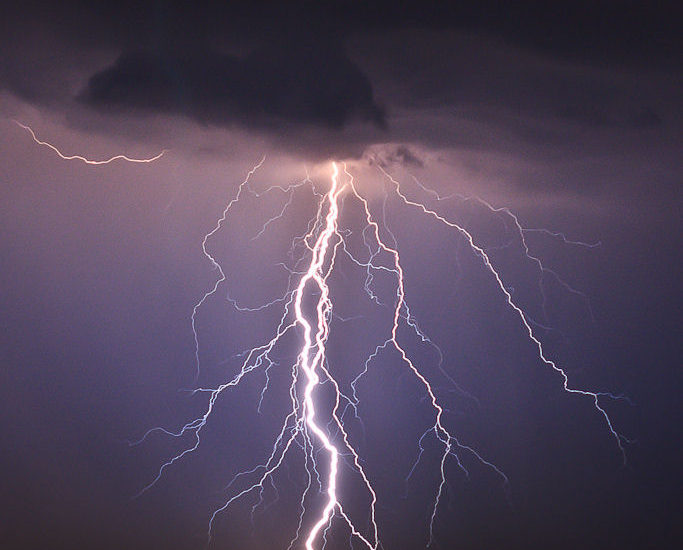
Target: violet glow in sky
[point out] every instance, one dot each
(104, 264)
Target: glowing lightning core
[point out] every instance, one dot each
(310, 365)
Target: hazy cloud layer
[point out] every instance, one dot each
(523, 100)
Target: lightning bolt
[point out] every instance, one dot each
(312, 355)
(315, 426)
(84, 159)
(302, 429)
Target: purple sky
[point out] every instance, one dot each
(572, 119)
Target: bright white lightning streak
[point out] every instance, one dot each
(311, 359)
(86, 160)
(309, 365)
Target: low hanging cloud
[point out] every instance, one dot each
(269, 87)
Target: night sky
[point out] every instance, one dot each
(568, 113)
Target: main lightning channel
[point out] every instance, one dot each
(310, 364)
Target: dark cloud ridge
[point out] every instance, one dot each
(301, 83)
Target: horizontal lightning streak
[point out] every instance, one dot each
(86, 160)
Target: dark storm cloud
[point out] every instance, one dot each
(312, 83)
(532, 83)
(624, 31)
(607, 33)
(484, 71)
